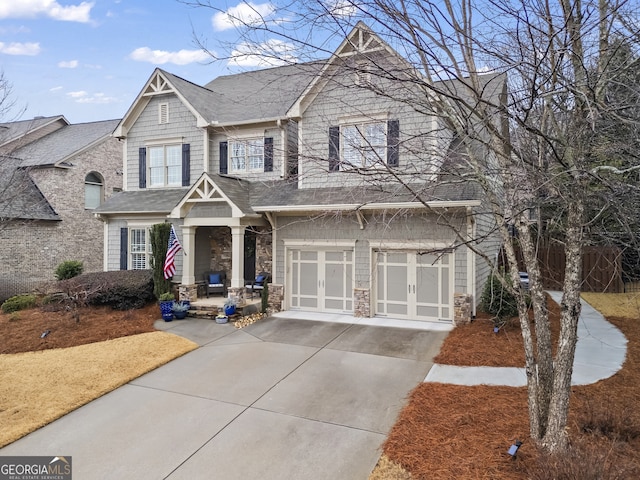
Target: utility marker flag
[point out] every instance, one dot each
(173, 248)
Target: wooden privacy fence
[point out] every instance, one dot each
(601, 268)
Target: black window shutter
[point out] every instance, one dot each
(142, 167)
(268, 154)
(334, 149)
(124, 248)
(186, 164)
(393, 143)
(224, 147)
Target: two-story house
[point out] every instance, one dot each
(308, 172)
(53, 175)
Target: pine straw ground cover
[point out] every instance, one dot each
(45, 377)
(449, 431)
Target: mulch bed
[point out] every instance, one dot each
(476, 345)
(22, 331)
(449, 431)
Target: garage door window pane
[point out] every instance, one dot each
(397, 284)
(427, 284)
(396, 258)
(445, 286)
(308, 256)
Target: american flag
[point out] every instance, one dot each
(173, 248)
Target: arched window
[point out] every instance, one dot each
(93, 184)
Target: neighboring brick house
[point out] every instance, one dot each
(53, 175)
(293, 171)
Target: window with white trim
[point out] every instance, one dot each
(247, 155)
(165, 165)
(93, 188)
(139, 248)
(364, 145)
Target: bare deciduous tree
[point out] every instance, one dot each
(563, 64)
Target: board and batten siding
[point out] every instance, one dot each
(182, 124)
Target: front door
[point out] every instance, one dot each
(321, 280)
(414, 285)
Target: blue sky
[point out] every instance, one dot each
(88, 60)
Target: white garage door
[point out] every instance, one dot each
(321, 280)
(414, 285)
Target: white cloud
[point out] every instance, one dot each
(69, 64)
(82, 96)
(341, 8)
(242, 14)
(55, 89)
(49, 8)
(15, 48)
(160, 57)
(78, 94)
(271, 53)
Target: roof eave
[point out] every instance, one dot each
(370, 206)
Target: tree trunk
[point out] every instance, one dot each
(555, 437)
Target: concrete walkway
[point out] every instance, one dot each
(600, 353)
(280, 399)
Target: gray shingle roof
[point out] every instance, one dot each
(20, 198)
(267, 93)
(286, 193)
(63, 143)
(143, 201)
(10, 131)
(247, 96)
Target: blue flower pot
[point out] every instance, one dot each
(229, 310)
(166, 311)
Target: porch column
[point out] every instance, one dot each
(188, 255)
(237, 256)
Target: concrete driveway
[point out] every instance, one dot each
(282, 398)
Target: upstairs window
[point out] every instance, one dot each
(93, 188)
(365, 145)
(247, 156)
(165, 165)
(244, 156)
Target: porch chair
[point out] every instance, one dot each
(258, 284)
(216, 282)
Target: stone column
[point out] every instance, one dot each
(461, 308)
(362, 300)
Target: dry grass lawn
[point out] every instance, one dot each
(449, 431)
(44, 382)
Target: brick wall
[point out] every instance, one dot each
(34, 249)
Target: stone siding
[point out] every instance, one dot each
(362, 302)
(461, 309)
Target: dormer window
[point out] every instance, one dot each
(163, 113)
